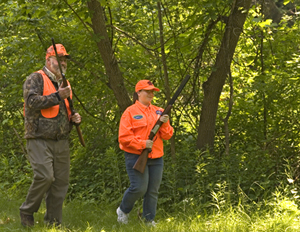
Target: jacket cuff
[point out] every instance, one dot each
(57, 95)
(144, 145)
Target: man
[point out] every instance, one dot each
(48, 122)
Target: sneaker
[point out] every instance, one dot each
(27, 220)
(151, 223)
(122, 217)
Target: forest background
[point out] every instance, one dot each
(236, 122)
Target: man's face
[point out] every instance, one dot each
(53, 65)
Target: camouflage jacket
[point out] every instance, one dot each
(37, 126)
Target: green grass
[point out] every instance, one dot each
(279, 214)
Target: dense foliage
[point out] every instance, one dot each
(263, 126)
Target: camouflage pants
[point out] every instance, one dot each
(50, 161)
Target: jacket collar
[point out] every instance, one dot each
(142, 106)
(51, 75)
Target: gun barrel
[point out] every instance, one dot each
(178, 91)
(65, 83)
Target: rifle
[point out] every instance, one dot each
(65, 84)
(141, 162)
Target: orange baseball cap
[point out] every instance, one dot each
(145, 84)
(61, 51)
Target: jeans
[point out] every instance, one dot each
(146, 184)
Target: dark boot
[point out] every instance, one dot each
(27, 220)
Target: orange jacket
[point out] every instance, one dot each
(135, 126)
(48, 89)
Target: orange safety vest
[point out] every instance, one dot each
(49, 89)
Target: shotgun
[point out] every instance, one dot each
(141, 162)
(65, 83)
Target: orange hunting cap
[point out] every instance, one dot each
(145, 84)
(61, 51)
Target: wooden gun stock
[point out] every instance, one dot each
(141, 162)
(65, 83)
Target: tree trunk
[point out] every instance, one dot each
(213, 86)
(116, 81)
(271, 11)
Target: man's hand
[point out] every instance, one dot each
(164, 118)
(64, 92)
(76, 118)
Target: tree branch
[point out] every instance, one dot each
(20, 142)
(150, 50)
(83, 23)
